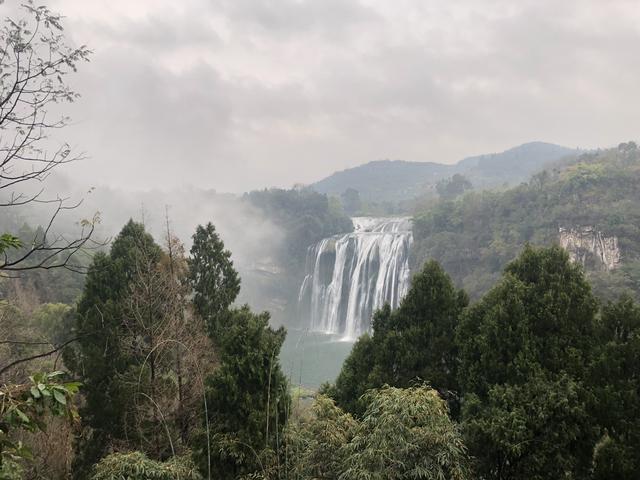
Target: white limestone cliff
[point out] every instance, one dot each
(585, 244)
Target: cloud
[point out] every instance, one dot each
(241, 94)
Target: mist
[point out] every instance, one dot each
(250, 236)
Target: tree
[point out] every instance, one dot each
(170, 355)
(143, 353)
(538, 429)
(25, 407)
(453, 187)
(615, 379)
(100, 355)
(317, 445)
(414, 343)
(524, 351)
(353, 380)
(406, 434)
(35, 60)
(247, 398)
(213, 279)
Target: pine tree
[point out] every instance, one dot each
(214, 281)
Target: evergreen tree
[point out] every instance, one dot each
(414, 343)
(616, 383)
(247, 398)
(354, 378)
(99, 357)
(524, 351)
(214, 281)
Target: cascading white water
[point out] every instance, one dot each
(349, 276)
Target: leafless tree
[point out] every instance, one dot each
(172, 351)
(34, 62)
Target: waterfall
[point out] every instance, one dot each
(349, 276)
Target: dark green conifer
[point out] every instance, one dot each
(412, 344)
(524, 353)
(215, 282)
(98, 358)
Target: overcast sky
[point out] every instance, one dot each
(242, 94)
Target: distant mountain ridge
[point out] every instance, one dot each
(399, 180)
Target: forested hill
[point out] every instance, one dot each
(591, 205)
(511, 166)
(393, 181)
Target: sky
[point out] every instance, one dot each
(235, 95)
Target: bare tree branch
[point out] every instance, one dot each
(14, 363)
(34, 61)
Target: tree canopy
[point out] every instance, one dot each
(524, 354)
(414, 343)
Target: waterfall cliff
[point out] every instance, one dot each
(349, 276)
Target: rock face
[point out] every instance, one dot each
(590, 247)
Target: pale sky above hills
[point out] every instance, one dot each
(241, 94)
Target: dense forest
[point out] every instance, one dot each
(510, 357)
(174, 379)
(475, 235)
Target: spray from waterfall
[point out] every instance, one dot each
(349, 276)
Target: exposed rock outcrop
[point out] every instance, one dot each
(590, 247)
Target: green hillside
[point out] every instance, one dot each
(474, 237)
(395, 181)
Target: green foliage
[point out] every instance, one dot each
(406, 433)
(413, 343)
(213, 279)
(24, 408)
(247, 398)
(615, 378)
(474, 237)
(53, 321)
(524, 351)
(317, 445)
(8, 241)
(453, 187)
(136, 466)
(353, 379)
(99, 356)
(536, 430)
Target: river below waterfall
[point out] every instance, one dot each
(309, 359)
